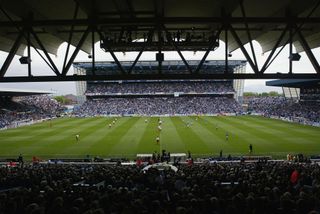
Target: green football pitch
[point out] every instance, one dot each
(203, 136)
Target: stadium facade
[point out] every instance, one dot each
(151, 68)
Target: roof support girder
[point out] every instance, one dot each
(136, 60)
(160, 77)
(11, 54)
(75, 14)
(164, 20)
(170, 39)
(93, 56)
(54, 67)
(116, 60)
(76, 51)
(308, 51)
(226, 53)
(276, 45)
(248, 33)
(243, 50)
(212, 44)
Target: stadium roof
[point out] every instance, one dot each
(158, 25)
(294, 83)
(21, 92)
(51, 20)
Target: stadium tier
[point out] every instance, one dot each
(161, 136)
(15, 111)
(300, 103)
(190, 105)
(155, 97)
(160, 88)
(304, 90)
(303, 112)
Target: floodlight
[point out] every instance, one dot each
(295, 57)
(24, 60)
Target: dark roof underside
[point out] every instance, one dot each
(177, 14)
(20, 93)
(294, 83)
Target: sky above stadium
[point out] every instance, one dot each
(39, 67)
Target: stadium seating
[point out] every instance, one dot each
(261, 187)
(282, 107)
(159, 106)
(160, 87)
(24, 109)
(159, 98)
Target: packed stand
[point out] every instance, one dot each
(282, 107)
(218, 188)
(24, 109)
(159, 106)
(160, 87)
(47, 104)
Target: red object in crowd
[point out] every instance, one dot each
(190, 162)
(139, 162)
(294, 177)
(12, 164)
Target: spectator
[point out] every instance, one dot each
(303, 112)
(261, 187)
(26, 109)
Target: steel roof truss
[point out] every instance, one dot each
(276, 45)
(248, 33)
(160, 77)
(171, 40)
(308, 51)
(76, 51)
(53, 66)
(70, 35)
(11, 54)
(242, 48)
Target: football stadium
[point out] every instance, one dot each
(154, 132)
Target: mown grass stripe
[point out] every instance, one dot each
(147, 143)
(192, 141)
(170, 139)
(29, 139)
(59, 137)
(88, 137)
(128, 143)
(105, 146)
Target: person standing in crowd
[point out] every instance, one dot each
(20, 160)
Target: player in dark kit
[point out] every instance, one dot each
(250, 149)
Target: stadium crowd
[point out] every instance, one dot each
(160, 87)
(27, 108)
(216, 188)
(282, 107)
(159, 106)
